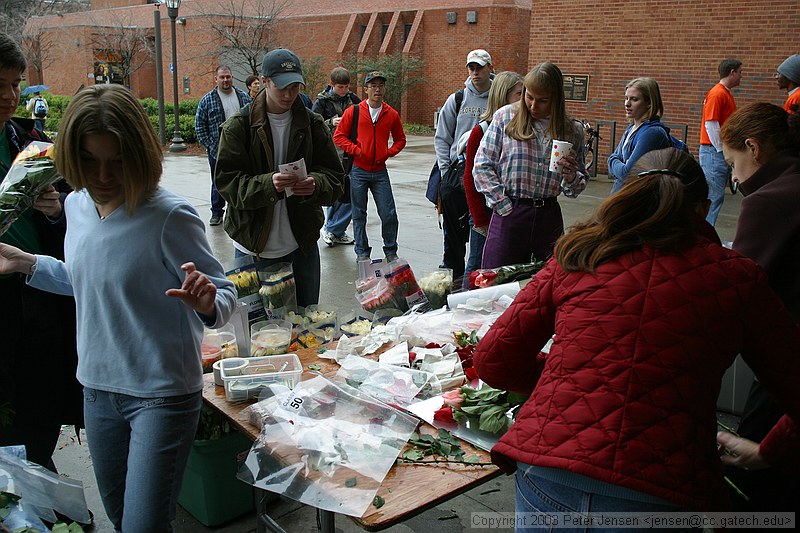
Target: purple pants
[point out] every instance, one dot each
(526, 232)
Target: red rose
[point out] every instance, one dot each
(445, 414)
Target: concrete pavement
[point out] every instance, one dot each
(420, 242)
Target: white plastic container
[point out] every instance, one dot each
(247, 383)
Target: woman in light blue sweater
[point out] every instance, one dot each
(145, 282)
(643, 109)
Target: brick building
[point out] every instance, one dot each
(678, 42)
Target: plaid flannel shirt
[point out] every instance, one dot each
(506, 168)
(210, 115)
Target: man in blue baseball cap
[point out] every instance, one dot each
(275, 216)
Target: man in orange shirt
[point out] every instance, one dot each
(717, 107)
(788, 78)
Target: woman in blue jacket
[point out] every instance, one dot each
(643, 109)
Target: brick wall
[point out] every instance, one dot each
(679, 43)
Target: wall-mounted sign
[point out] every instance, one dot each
(576, 87)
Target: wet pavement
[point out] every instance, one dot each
(420, 243)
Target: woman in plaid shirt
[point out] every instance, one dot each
(511, 170)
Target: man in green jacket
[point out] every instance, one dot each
(276, 216)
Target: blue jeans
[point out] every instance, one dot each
(536, 495)
(362, 181)
(476, 242)
(306, 271)
(139, 449)
(217, 202)
(339, 216)
(717, 174)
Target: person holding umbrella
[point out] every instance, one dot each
(37, 105)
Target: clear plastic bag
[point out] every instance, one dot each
(405, 289)
(436, 286)
(278, 292)
(391, 384)
(41, 491)
(375, 293)
(245, 279)
(31, 173)
(325, 444)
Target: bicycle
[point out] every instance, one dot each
(591, 140)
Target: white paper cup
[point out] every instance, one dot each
(560, 149)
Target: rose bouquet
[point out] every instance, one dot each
(31, 173)
(405, 288)
(489, 277)
(492, 408)
(375, 293)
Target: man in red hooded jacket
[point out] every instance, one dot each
(374, 121)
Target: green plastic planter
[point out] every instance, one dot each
(211, 492)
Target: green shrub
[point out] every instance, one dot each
(151, 106)
(188, 108)
(418, 129)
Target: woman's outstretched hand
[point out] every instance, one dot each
(15, 260)
(197, 291)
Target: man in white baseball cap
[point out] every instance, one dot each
(459, 114)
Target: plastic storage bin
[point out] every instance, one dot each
(247, 382)
(210, 491)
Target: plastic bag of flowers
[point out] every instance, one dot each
(375, 293)
(405, 288)
(278, 292)
(31, 173)
(436, 286)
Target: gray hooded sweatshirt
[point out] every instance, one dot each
(451, 128)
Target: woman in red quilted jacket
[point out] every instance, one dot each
(647, 310)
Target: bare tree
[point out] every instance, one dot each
(243, 28)
(18, 18)
(122, 46)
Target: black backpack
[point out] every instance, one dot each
(435, 179)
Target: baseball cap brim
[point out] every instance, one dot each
(285, 79)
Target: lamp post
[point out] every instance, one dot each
(162, 129)
(177, 141)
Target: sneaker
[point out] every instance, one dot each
(215, 220)
(344, 239)
(328, 238)
(391, 258)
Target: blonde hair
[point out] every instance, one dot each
(545, 78)
(502, 85)
(109, 108)
(651, 94)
